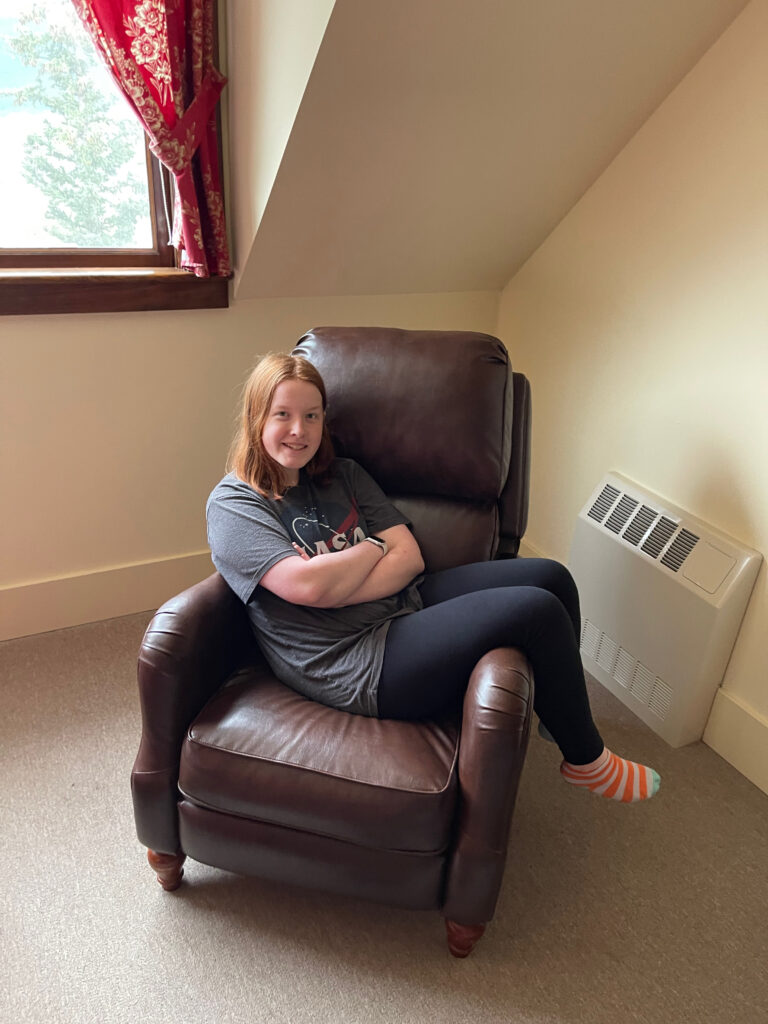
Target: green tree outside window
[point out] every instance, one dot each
(87, 158)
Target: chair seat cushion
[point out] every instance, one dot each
(261, 751)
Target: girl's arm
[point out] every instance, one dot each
(394, 571)
(324, 581)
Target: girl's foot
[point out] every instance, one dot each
(613, 777)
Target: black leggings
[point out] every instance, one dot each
(530, 603)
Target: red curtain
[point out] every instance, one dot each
(160, 53)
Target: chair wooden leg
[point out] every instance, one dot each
(168, 867)
(462, 937)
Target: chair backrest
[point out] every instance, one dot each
(441, 422)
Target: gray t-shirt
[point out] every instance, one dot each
(333, 655)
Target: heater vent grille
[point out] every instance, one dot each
(600, 509)
(661, 698)
(622, 508)
(617, 520)
(679, 549)
(590, 638)
(659, 536)
(625, 668)
(606, 653)
(641, 686)
(641, 522)
(644, 685)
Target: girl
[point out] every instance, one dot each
(332, 579)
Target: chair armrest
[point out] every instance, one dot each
(191, 647)
(494, 740)
(513, 503)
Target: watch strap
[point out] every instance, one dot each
(378, 541)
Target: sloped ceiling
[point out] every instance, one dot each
(438, 142)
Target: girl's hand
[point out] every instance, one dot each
(300, 551)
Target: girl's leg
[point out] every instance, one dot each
(511, 572)
(534, 572)
(430, 655)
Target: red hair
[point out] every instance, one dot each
(248, 458)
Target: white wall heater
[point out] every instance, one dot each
(662, 598)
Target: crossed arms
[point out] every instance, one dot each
(352, 576)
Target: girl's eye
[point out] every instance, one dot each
(312, 416)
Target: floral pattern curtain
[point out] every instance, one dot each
(160, 53)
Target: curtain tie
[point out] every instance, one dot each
(176, 147)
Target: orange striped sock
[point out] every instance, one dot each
(613, 777)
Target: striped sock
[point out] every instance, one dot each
(613, 777)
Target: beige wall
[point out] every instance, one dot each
(642, 322)
(115, 428)
(438, 142)
(271, 48)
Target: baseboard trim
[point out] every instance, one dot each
(739, 734)
(527, 550)
(90, 596)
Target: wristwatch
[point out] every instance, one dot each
(379, 542)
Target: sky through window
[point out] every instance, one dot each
(74, 172)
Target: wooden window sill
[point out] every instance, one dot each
(92, 290)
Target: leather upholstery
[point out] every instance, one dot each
(495, 729)
(309, 860)
(190, 648)
(432, 414)
(238, 771)
(261, 751)
(411, 406)
(514, 497)
(451, 532)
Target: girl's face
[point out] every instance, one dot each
(294, 426)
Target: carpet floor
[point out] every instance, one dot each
(609, 914)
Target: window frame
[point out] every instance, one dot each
(108, 281)
(161, 254)
(51, 281)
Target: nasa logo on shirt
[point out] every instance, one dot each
(316, 536)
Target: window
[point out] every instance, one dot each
(85, 204)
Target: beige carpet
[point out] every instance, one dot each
(609, 914)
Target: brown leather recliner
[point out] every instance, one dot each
(238, 771)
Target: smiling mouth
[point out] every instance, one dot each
(294, 447)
